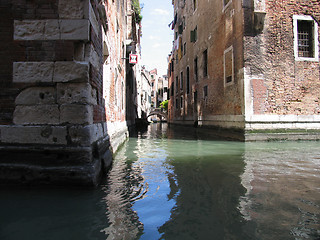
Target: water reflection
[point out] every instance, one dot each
(283, 189)
(167, 183)
(181, 187)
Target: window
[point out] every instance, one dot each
(172, 89)
(122, 95)
(306, 46)
(196, 69)
(181, 102)
(184, 48)
(193, 35)
(226, 2)
(177, 103)
(181, 80)
(228, 66)
(177, 83)
(194, 5)
(188, 81)
(205, 91)
(205, 63)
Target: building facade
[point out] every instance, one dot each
(63, 88)
(250, 66)
(144, 95)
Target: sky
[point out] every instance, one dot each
(157, 37)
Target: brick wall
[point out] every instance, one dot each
(292, 87)
(218, 29)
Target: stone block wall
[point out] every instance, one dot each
(52, 114)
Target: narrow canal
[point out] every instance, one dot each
(170, 184)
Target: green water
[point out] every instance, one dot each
(169, 183)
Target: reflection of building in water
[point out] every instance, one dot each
(283, 194)
(206, 187)
(124, 186)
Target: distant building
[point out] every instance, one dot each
(248, 66)
(154, 86)
(144, 95)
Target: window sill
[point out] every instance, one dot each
(304, 59)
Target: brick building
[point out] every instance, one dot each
(63, 83)
(249, 66)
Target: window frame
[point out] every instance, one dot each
(196, 69)
(315, 41)
(205, 63)
(188, 80)
(224, 5)
(205, 92)
(224, 66)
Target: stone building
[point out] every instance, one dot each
(143, 95)
(63, 88)
(154, 86)
(249, 66)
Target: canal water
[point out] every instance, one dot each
(169, 183)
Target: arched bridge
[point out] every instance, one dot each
(159, 112)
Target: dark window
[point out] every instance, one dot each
(196, 69)
(305, 39)
(172, 89)
(184, 48)
(165, 89)
(205, 63)
(177, 84)
(194, 5)
(188, 80)
(181, 80)
(225, 2)
(177, 103)
(205, 91)
(193, 35)
(181, 102)
(195, 100)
